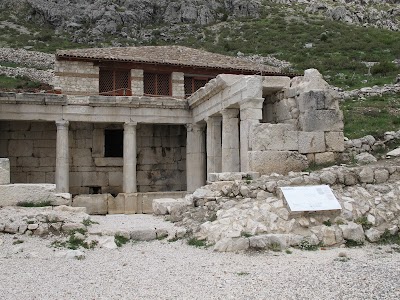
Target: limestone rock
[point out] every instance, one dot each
(106, 242)
(381, 176)
(75, 254)
(270, 241)
(166, 205)
(267, 162)
(373, 235)
(365, 158)
(143, 235)
(232, 245)
(366, 175)
(12, 194)
(353, 231)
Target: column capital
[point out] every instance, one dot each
(62, 124)
(252, 103)
(212, 119)
(230, 113)
(194, 127)
(130, 125)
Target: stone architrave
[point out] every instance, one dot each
(129, 168)
(62, 157)
(230, 140)
(214, 146)
(250, 115)
(195, 157)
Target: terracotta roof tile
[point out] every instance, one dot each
(170, 55)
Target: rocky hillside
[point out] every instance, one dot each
(341, 38)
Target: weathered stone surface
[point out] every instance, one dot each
(324, 158)
(395, 152)
(353, 231)
(274, 137)
(143, 235)
(373, 235)
(116, 205)
(276, 242)
(365, 158)
(166, 205)
(12, 194)
(366, 175)
(282, 162)
(321, 120)
(70, 254)
(95, 204)
(334, 141)
(4, 171)
(381, 176)
(311, 142)
(232, 245)
(106, 242)
(328, 177)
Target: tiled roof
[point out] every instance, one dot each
(167, 55)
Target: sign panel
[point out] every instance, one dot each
(310, 198)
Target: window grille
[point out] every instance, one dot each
(156, 84)
(115, 82)
(192, 84)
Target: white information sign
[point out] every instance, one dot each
(310, 198)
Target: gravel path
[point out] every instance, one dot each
(174, 270)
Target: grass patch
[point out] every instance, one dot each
(389, 239)
(88, 222)
(120, 240)
(34, 204)
(372, 116)
(287, 251)
(17, 242)
(327, 223)
(18, 83)
(352, 243)
(243, 273)
(246, 234)
(363, 221)
(308, 246)
(197, 243)
(312, 167)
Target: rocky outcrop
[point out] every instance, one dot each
(371, 91)
(242, 214)
(375, 13)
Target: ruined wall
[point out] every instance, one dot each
(302, 124)
(76, 77)
(31, 148)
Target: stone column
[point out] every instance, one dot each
(195, 157)
(62, 157)
(230, 140)
(129, 168)
(214, 146)
(250, 114)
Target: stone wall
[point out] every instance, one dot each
(302, 124)
(161, 158)
(76, 77)
(30, 146)
(251, 213)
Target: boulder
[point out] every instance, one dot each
(12, 194)
(276, 242)
(365, 158)
(232, 245)
(395, 152)
(353, 231)
(166, 205)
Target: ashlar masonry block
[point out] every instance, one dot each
(311, 142)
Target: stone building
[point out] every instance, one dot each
(141, 120)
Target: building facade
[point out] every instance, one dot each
(161, 119)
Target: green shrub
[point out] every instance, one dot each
(42, 203)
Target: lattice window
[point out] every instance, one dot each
(115, 82)
(192, 84)
(157, 84)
